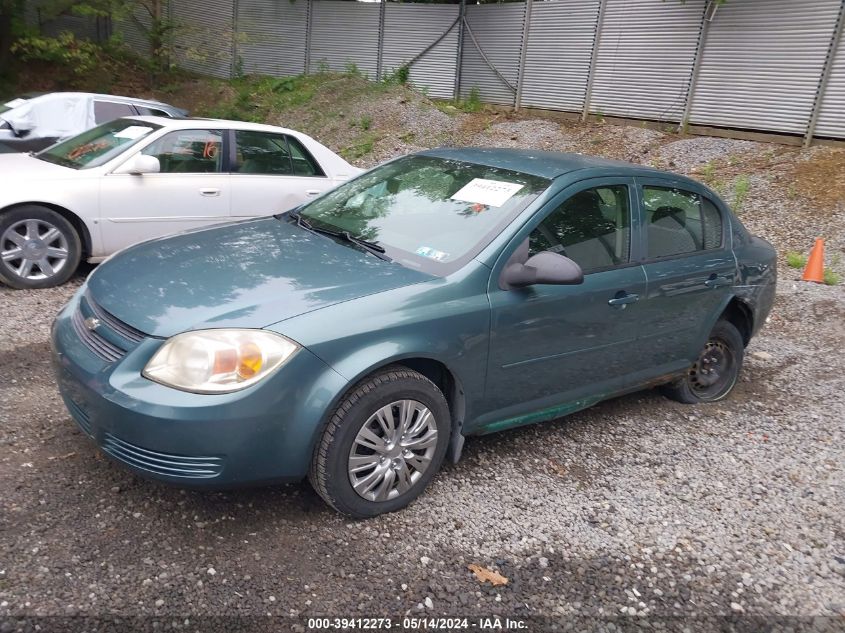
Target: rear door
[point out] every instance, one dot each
(271, 173)
(690, 270)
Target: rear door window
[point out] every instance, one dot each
(679, 221)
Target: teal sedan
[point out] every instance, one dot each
(358, 339)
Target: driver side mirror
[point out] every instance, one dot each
(141, 164)
(543, 268)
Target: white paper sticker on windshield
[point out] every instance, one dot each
(14, 103)
(482, 191)
(133, 131)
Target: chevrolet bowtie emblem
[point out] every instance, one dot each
(92, 323)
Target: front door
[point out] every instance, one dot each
(190, 191)
(550, 344)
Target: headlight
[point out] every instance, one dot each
(218, 361)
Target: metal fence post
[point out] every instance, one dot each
(526, 29)
(460, 52)
(593, 57)
(380, 51)
(309, 18)
(832, 50)
(696, 64)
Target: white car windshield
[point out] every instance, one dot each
(98, 145)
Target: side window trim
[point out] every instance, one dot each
(669, 183)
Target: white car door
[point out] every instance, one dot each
(271, 173)
(190, 191)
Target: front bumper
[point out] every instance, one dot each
(262, 434)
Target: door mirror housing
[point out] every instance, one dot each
(543, 268)
(140, 164)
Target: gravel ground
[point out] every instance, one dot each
(638, 506)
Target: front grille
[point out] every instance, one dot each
(79, 415)
(93, 341)
(162, 463)
(123, 329)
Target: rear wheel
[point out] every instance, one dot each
(713, 375)
(38, 248)
(383, 444)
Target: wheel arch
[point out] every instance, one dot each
(75, 221)
(739, 314)
(438, 372)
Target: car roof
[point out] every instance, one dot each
(97, 95)
(542, 163)
(187, 123)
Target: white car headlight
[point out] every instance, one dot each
(218, 361)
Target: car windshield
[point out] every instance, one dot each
(426, 212)
(14, 103)
(98, 145)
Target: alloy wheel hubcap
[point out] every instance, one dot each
(392, 450)
(33, 249)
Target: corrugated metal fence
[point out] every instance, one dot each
(765, 65)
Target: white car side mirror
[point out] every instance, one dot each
(141, 164)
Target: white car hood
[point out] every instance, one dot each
(17, 167)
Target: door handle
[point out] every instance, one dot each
(622, 299)
(716, 281)
(209, 192)
(313, 192)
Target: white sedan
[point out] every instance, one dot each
(137, 178)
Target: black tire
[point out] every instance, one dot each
(329, 474)
(722, 357)
(66, 239)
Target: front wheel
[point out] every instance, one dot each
(38, 248)
(714, 374)
(383, 444)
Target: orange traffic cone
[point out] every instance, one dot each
(814, 271)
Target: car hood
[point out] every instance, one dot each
(248, 274)
(20, 166)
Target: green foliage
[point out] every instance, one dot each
(831, 278)
(708, 172)
(472, 103)
(360, 148)
(322, 67)
(741, 188)
(794, 259)
(365, 123)
(78, 56)
(255, 97)
(352, 69)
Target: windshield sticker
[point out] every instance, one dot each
(14, 103)
(494, 193)
(432, 253)
(133, 132)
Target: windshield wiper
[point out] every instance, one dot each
(371, 247)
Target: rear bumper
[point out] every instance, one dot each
(262, 434)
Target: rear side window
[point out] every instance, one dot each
(303, 163)
(592, 228)
(679, 222)
(262, 153)
(105, 111)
